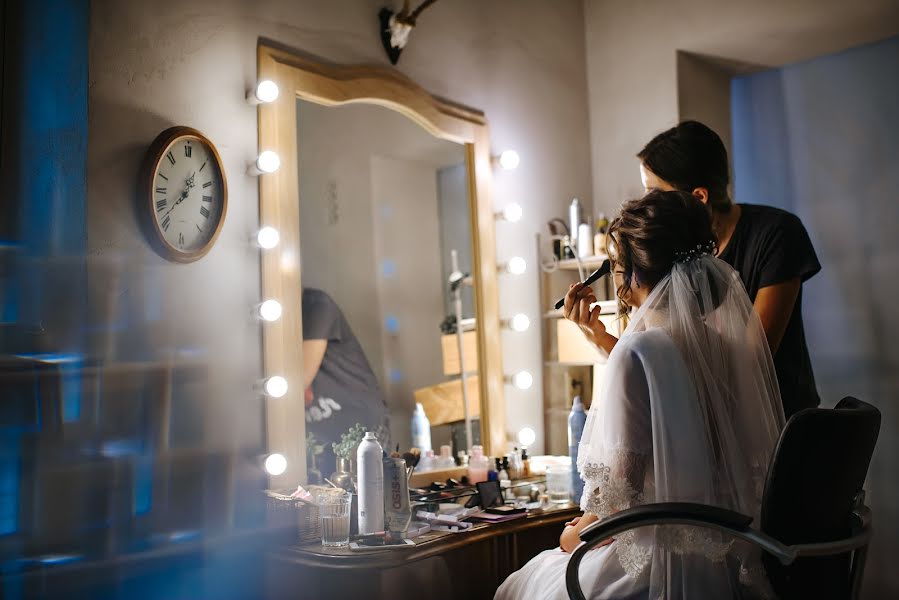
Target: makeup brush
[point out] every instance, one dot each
(604, 269)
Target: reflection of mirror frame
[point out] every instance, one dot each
(299, 77)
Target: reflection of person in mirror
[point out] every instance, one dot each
(343, 389)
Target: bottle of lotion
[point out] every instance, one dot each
(477, 465)
(371, 484)
(421, 429)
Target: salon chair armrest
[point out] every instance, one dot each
(712, 517)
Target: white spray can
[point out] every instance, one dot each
(371, 484)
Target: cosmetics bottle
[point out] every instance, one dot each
(584, 241)
(574, 219)
(445, 460)
(371, 484)
(577, 418)
(421, 429)
(501, 473)
(515, 465)
(599, 239)
(492, 471)
(525, 463)
(477, 465)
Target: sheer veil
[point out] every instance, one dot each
(689, 411)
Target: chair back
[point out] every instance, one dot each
(815, 476)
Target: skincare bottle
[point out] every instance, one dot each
(577, 418)
(477, 465)
(525, 463)
(501, 472)
(599, 239)
(574, 219)
(371, 484)
(427, 463)
(584, 241)
(421, 429)
(445, 460)
(515, 465)
(492, 470)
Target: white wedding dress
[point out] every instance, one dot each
(689, 411)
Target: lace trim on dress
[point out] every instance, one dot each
(606, 494)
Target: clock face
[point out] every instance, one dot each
(188, 195)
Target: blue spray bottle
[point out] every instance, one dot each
(577, 418)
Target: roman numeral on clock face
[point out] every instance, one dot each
(166, 222)
(161, 190)
(204, 211)
(161, 204)
(171, 157)
(187, 151)
(207, 198)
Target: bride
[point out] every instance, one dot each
(689, 411)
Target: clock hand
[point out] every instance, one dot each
(177, 202)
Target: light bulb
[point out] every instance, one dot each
(509, 160)
(275, 464)
(520, 322)
(268, 237)
(268, 162)
(270, 310)
(512, 212)
(523, 380)
(267, 91)
(276, 386)
(526, 436)
(516, 265)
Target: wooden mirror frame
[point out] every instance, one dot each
(279, 202)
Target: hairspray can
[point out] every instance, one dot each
(371, 484)
(397, 511)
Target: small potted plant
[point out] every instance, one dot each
(345, 451)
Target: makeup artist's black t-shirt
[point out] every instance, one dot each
(345, 389)
(771, 246)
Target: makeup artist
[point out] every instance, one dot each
(343, 389)
(769, 247)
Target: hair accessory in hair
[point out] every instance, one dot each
(685, 256)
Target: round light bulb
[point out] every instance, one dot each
(270, 310)
(523, 380)
(526, 436)
(512, 212)
(268, 162)
(509, 160)
(516, 265)
(520, 322)
(267, 91)
(276, 386)
(268, 237)
(275, 464)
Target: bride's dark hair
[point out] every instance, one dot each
(651, 232)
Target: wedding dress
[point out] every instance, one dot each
(689, 411)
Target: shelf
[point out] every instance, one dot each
(564, 365)
(588, 262)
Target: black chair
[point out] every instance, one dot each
(814, 528)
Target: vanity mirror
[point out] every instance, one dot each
(379, 182)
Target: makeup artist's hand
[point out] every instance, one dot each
(577, 309)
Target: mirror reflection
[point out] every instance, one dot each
(384, 235)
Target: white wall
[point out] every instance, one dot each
(154, 65)
(632, 62)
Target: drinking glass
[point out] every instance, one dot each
(334, 513)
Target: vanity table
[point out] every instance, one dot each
(468, 565)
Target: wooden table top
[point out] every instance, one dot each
(427, 545)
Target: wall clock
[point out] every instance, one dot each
(183, 193)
